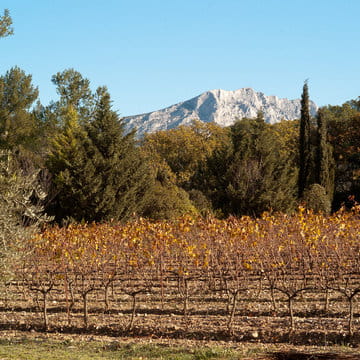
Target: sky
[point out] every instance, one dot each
(155, 53)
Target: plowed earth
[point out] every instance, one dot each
(161, 319)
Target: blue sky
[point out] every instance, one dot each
(155, 53)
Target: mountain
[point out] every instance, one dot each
(219, 106)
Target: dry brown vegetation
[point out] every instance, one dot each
(275, 279)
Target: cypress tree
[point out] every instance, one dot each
(316, 165)
(304, 143)
(324, 157)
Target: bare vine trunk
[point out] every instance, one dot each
(133, 312)
(232, 312)
(291, 312)
(45, 314)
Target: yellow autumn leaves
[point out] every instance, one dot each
(274, 241)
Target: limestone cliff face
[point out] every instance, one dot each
(219, 106)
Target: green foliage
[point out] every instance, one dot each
(185, 147)
(211, 178)
(305, 150)
(21, 208)
(74, 90)
(355, 104)
(259, 177)
(167, 202)
(5, 24)
(287, 133)
(316, 163)
(17, 123)
(165, 199)
(325, 167)
(98, 171)
(73, 173)
(336, 113)
(200, 201)
(252, 174)
(47, 128)
(123, 173)
(51, 120)
(316, 198)
(175, 157)
(344, 128)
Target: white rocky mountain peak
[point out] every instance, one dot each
(220, 106)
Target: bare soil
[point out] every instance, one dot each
(162, 320)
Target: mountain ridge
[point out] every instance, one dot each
(223, 107)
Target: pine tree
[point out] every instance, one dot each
(74, 175)
(305, 158)
(74, 90)
(5, 24)
(98, 171)
(123, 173)
(17, 123)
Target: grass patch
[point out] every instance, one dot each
(36, 349)
(83, 348)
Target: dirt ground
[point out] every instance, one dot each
(318, 334)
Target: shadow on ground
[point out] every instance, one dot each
(309, 356)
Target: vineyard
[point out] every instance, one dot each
(276, 278)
